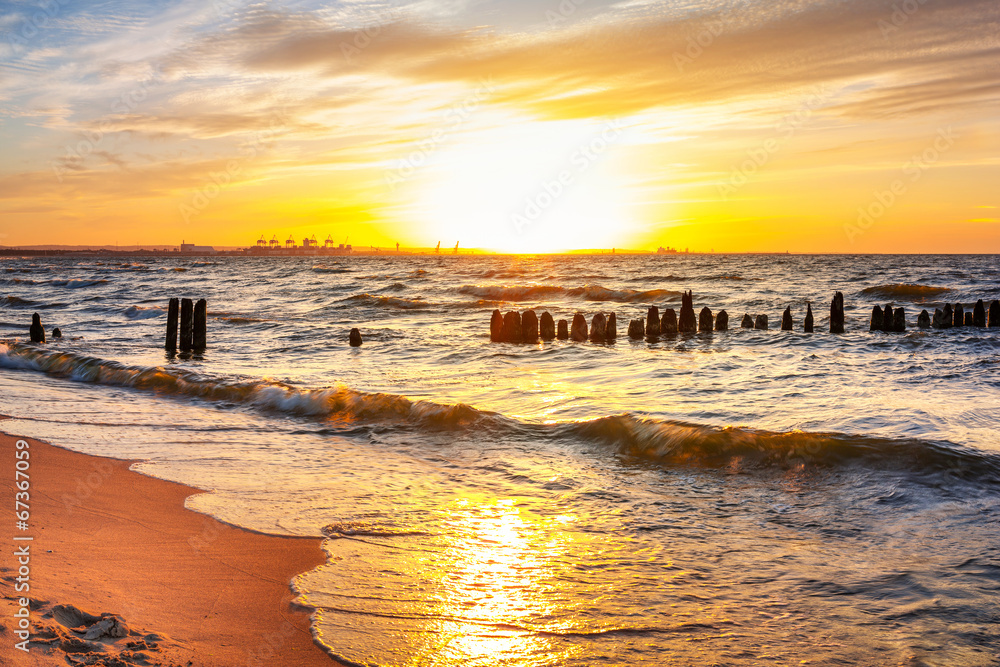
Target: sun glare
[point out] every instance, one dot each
(527, 187)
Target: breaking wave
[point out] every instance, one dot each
(388, 301)
(587, 293)
(143, 312)
(78, 283)
(666, 443)
(905, 292)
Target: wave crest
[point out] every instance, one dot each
(905, 292)
(586, 292)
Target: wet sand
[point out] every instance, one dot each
(190, 589)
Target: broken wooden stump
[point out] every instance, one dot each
(563, 329)
(187, 324)
(747, 322)
(57, 333)
(877, 319)
(807, 324)
(173, 309)
(924, 320)
(705, 320)
(512, 327)
(668, 323)
(354, 338)
(598, 328)
(786, 319)
(837, 314)
(968, 319)
(761, 322)
(899, 320)
(36, 332)
(529, 327)
(994, 314)
(959, 315)
(547, 326)
(578, 332)
(979, 314)
(653, 321)
(496, 327)
(722, 321)
(199, 335)
(687, 322)
(611, 330)
(636, 330)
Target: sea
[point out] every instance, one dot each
(742, 497)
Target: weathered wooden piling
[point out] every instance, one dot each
(529, 327)
(687, 322)
(761, 322)
(994, 314)
(979, 314)
(668, 323)
(808, 323)
(747, 322)
(924, 320)
(636, 330)
(968, 319)
(786, 319)
(611, 331)
(512, 327)
(173, 307)
(496, 327)
(942, 318)
(887, 321)
(653, 321)
(578, 332)
(598, 328)
(563, 333)
(187, 324)
(705, 320)
(837, 314)
(878, 319)
(199, 338)
(36, 332)
(547, 326)
(958, 313)
(899, 320)
(57, 333)
(722, 321)
(354, 338)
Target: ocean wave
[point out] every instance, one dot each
(669, 444)
(323, 268)
(904, 292)
(16, 302)
(587, 293)
(77, 283)
(143, 312)
(388, 301)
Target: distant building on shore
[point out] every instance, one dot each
(201, 249)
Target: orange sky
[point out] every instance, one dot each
(517, 126)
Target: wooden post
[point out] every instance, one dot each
(705, 319)
(668, 323)
(807, 325)
(924, 319)
(187, 322)
(899, 320)
(611, 330)
(562, 330)
(786, 319)
(994, 315)
(979, 314)
(687, 322)
(529, 327)
(512, 327)
(653, 321)
(354, 337)
(722, 321)
(496, 327)
(598, 328)
(200, 324)
(172, 309)
(958, 312)
(637, 329)
(877, 319)
(36, 331)
(747, 322)
(837, 314)
(578, 332)
(547, 326)
(761, 322)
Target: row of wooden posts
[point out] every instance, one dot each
(193, 330)
(515, 327)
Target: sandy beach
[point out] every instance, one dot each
(191, 590)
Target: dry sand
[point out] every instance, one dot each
(191, 590)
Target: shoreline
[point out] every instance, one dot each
(191, 590)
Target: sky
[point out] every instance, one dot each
(531, 126)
